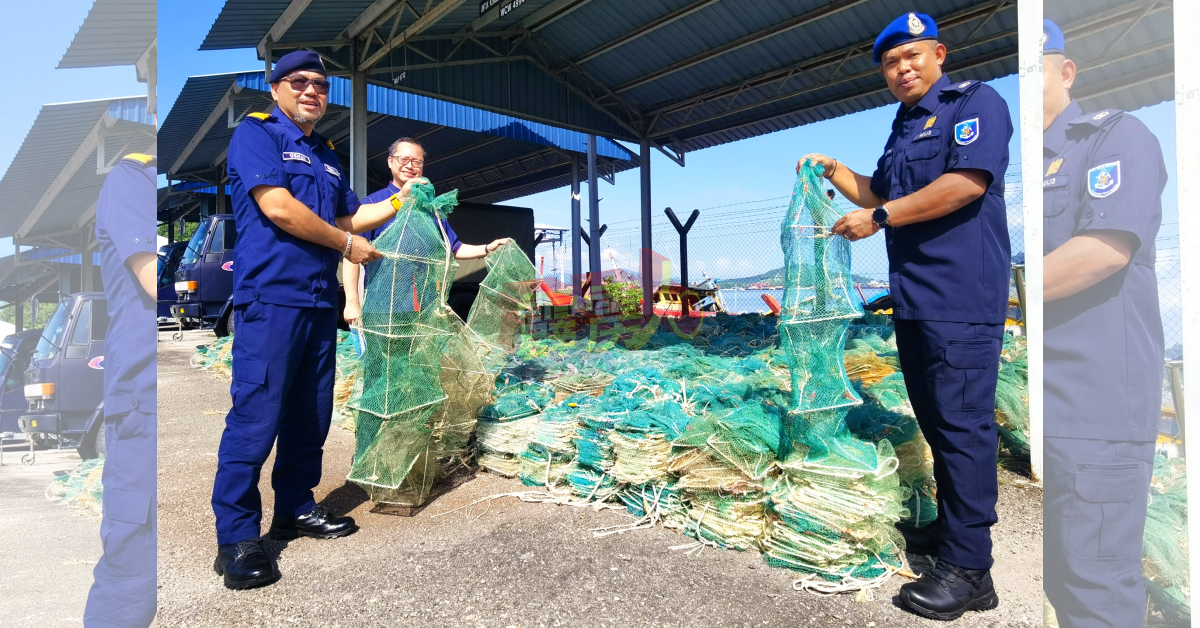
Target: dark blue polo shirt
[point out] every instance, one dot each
(1103, 347)
(955, 268)
(125, 225)
(386, 193)
(274, 266)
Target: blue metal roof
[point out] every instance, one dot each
(465, 148)
(115, 32)
(686, 73)
(1124, 51)
(59, 133)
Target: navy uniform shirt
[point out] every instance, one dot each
(274, 266)
(1103, 347)
(955, 268)
(125, 225)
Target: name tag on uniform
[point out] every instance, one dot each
(333, 171)
(297, 157)
(926, 134)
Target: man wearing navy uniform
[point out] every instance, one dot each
(295, 213)
(125, 590)
(938, 195)
(1103, 348)
(406, 160)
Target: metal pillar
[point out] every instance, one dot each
(220, 205)
(576, 241)
(1029, 62)
(85, 270)
(593, 217)
(170, 231)
(20, 315)
(683, 256)
(647, 234)
(358, 127)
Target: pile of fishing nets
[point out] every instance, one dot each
(1165, 553)
(81, 487)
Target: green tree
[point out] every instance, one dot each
(8, 314)
(188, 229)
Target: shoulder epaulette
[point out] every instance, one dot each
(1097, 119)
(141, 158)
(962, 87)
(259, 115)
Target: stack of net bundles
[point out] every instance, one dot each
(1012, 397)
(506, 426)
(833, 509)
(1165, 546)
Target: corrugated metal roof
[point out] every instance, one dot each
(507, 156)
(712, 73)
(56, 134)
(1124, 51)
(116, 32)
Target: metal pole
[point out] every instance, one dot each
(576, 241)
(647, 233)
(593, 218)
(85, 270)
(358, 126)
(683, 255)
(1029, 60)
(1019, 280)
(20, 317)
(1175, 377)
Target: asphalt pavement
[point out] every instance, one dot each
(517, 564)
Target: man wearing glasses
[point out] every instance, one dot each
(296, 215)
(406, 160)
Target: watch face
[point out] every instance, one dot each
(880, 215)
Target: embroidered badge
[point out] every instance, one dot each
(915, 27)
(1054, 166)
(1100, 116)
(930, 121)
(289, 156)
(1104, 179)
(966, 131)
(333, 171)
(329, 143)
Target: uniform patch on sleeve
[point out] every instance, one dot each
(1104, 179)
(966, 131)
(290, 156)
(333, 171)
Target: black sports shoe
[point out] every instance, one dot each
(244, 565)
(318, 524)
(949, 591)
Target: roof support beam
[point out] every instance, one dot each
(373, 16)
(551, 13)
(646, 29)
(213, 116)
(81, 154)
(281, 26)
(431, 17)
(807, 17)
(464, 150)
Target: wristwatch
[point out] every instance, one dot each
(880, 216)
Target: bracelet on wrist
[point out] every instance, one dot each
(349, 244)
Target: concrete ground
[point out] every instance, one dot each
(49, 550)
(520, 564)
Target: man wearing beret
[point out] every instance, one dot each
(937, 193)
(1103, 348)
(295, 214)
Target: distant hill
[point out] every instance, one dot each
(772, 277)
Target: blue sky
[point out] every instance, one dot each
(36, 44)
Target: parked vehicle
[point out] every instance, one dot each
(204, 279)
(15, 351)
(64, 384)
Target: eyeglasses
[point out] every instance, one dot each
(301, 83)
(404, 161)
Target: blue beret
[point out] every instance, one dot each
(299, 60)
(1053, 41)
(906, 28)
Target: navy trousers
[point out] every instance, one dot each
(950, 371)
(283, 370)
(125, 589)
(1095, 503)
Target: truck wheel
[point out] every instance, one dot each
(229, 325)
(93, 445)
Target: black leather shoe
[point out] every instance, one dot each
(245, 565)
(923, 541)
(318, 524)
(949, 591)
